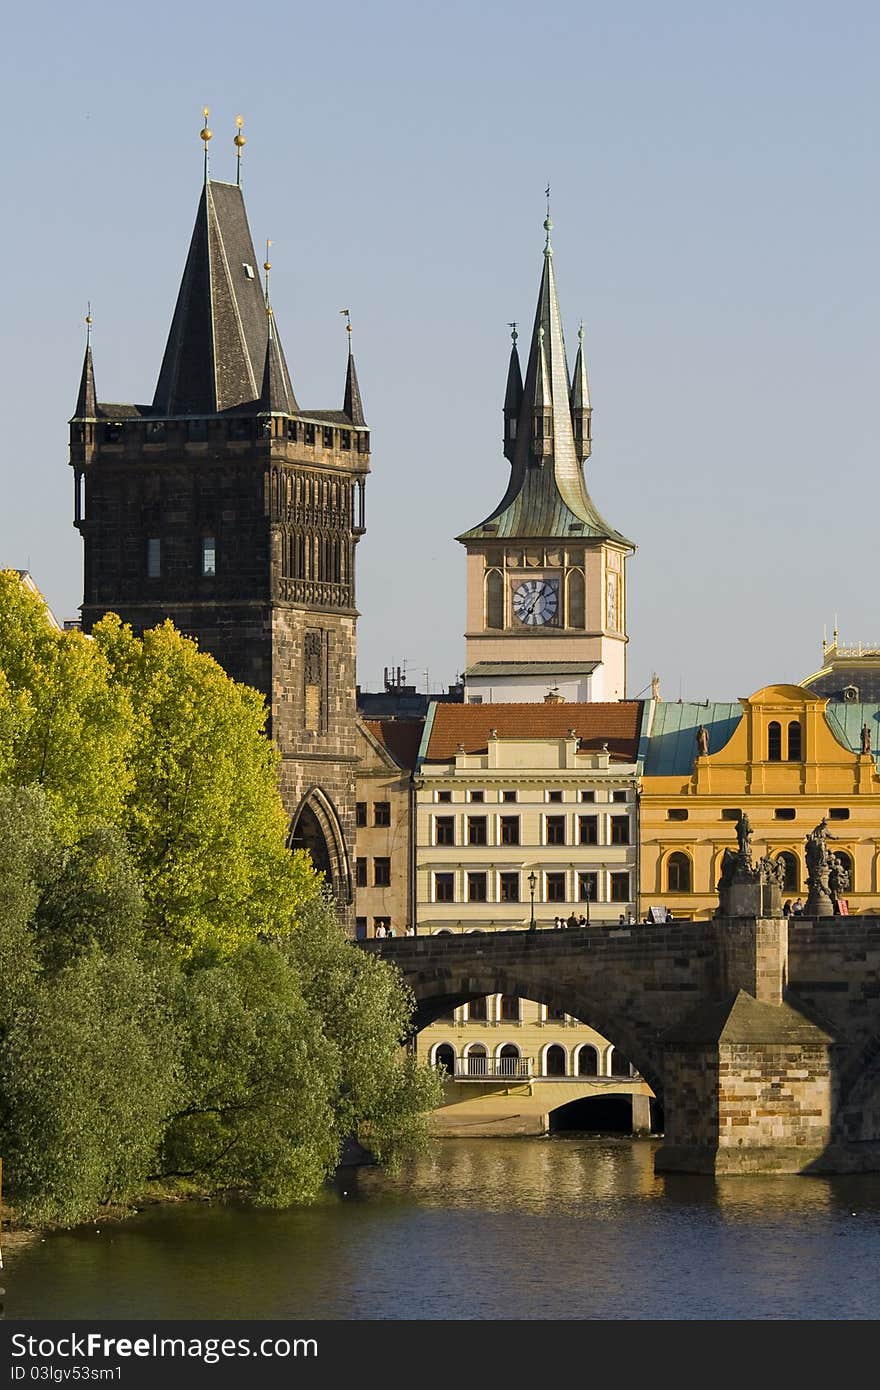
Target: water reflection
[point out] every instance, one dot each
(574, 1227)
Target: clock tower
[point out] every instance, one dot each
(546, 578)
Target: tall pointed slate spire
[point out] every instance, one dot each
(87, 400)
(352, 404)
(547, 494)
(512, 396)
(217, 345)
(276, 392)
(581, 411)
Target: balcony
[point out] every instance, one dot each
(478, 1068)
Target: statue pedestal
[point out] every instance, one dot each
(742, 896)
(818, 904)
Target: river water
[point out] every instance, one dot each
(575, 1227)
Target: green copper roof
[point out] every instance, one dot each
(845, 721)
(672, 745)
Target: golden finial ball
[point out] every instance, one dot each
(267, 265)
(238, 140)
(206, 134)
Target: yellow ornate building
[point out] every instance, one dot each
(787, 757)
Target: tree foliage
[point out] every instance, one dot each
(177, 999)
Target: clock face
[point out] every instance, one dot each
(536, 601)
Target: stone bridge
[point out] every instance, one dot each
(761, 1037)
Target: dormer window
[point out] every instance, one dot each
(248, 270)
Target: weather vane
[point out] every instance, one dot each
(347, 313)
(239, 142)
(206, 136)
(513, 333)
(267, 266)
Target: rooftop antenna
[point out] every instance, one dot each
(206, 134)
(239, 142)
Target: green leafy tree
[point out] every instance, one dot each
(88, 1077)
(366, 1013)
(67, 728)
(27, 848)
(203, 815)
(258, 1083)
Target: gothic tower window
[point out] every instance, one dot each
(774, 741)
(494, 599)
(576, 599)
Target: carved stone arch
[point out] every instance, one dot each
(315, 826)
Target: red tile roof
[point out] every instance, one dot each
(616, 724)
(399, 737)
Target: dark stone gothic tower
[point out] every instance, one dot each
(231, 510)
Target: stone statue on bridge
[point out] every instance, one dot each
(818, 902)
(838, 881)
(744, 840)
(702, 741)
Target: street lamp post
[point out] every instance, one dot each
(532, 880)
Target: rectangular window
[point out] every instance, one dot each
(381, 922)
(382, 873)
(360, 928)
(444, 796)
(209, 555)
(588, 888)
(509, 887)
(360, 813)
(444, 888)
(476, 885)
(620, 830)
(508, 796)
(328, 437)
(477, 1010)
(620, 888)
(509, 830)
(444, 830)
(309, 434)
(555, 887)
(839, 813)
(587, 796)
(731, 813)
(345, 439)
(555, 1015)
(360, 873)
(554, 796)
(588, 830)
(510, 1012)
(381, 812)
(154, 557)
(476, 830)
(676, 813)
(784, 813)
(618, 796)
(476, 796)
(555, 826)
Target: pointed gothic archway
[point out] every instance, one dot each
(315, 827)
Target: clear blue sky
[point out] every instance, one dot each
(715, 202)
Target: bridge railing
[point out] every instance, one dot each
(476, 1068)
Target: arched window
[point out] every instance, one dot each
(794, 741)
(792, 880)
(588, 1061)
(774, 742)
(477, 1060)
(678, 873)
(494, 599)
(508, 1060)
(554, 1062)
(576, 604)
(619, 1064)
(444, 1058)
